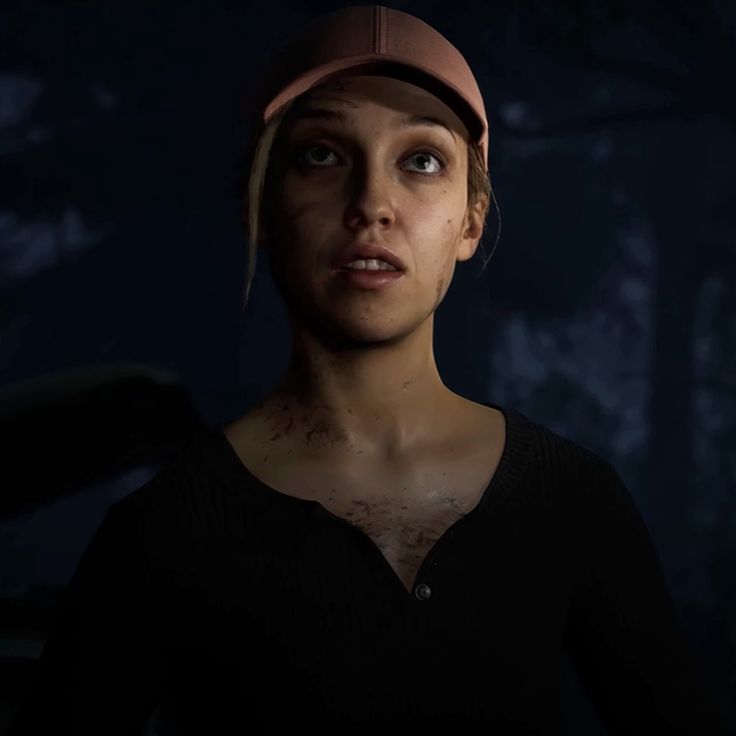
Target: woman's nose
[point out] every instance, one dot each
(370, 195)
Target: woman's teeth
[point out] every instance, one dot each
(371, 264)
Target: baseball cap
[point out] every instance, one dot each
(373, 39)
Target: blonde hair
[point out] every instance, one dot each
(252, 183)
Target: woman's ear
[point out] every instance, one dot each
(474, 224)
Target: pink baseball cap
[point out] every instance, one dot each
(374, 39)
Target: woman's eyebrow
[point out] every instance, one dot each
(321, 113)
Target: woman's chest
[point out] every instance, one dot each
(405, 514)
(404, 507)
(403, 511)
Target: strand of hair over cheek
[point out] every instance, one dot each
(498, 231)
(258, 158)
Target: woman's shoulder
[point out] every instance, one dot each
(182, 480)
(553, 456)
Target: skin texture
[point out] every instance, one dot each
(362, 382)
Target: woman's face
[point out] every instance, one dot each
(366, 176)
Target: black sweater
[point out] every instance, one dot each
(239, 609)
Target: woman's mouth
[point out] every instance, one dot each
(367, 279)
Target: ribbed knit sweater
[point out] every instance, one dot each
(237, 609)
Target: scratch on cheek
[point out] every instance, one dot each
(438, 295)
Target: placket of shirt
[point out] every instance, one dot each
(421, 592)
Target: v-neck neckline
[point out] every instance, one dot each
(510, 465)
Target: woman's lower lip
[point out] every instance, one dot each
(364, 279)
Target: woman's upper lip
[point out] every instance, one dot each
(357, 251)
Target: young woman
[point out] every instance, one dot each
(365, 547)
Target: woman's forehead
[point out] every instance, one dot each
(349, 94)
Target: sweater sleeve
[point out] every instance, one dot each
(99, 671)
(623, 633)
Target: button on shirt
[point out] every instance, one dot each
(422, 591)
(233, 608)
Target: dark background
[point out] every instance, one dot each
(607, 312)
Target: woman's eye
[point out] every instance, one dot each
(311, 148)
(428, 154)
(320, 158)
